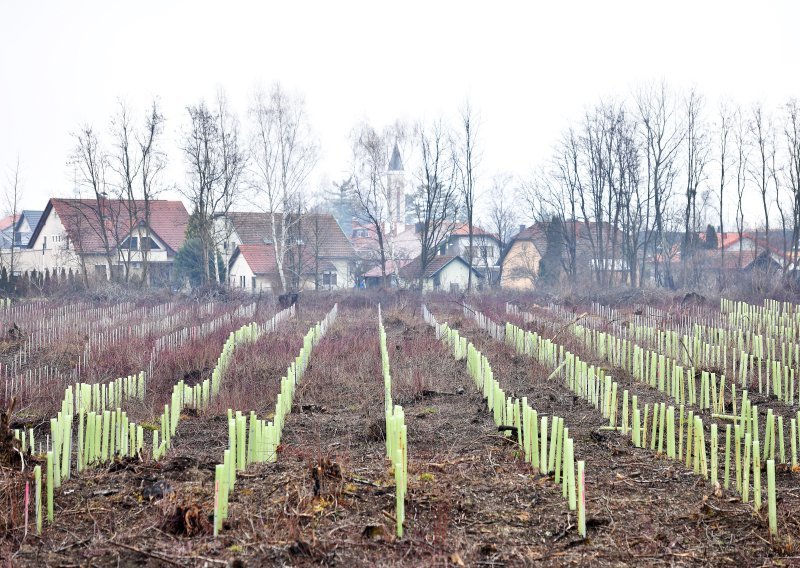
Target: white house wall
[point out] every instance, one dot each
(51, 250)
(454, 273)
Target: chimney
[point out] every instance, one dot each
(521, 227)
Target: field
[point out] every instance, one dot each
(486, 433)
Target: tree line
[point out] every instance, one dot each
(627, 177)
(632, 176)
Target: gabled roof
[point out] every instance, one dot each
(256, 229)
(260, 258)
(436, 265)
(32, 216)
(81, 220)
(584, 234)
(733, 259)
(8, 221)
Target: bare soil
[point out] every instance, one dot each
(329, 499)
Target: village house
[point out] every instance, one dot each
(523, 262)
(23, 228)
(728, 256)
(485, 254)
(444, 273)
(15, 233)
(317, 253)
(106, 239)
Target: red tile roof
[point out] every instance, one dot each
(7, 221)
(168, 221)
(462, 230)
(256, 229)
(733, 259)
(260, 258)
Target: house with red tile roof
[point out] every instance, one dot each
(108, 238)
(486, 248)
(317, 254)
(733, 254)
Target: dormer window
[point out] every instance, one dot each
(139, 243)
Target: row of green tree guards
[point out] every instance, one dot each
(258, 441)
(103, 429)
(553, 453)
(602, 392)
(396, 434)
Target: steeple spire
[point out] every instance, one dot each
(396, 163)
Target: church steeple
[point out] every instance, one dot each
(396, 179)
(396, 163)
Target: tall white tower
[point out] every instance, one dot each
(396, 184)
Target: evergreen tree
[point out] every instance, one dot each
(712, 241)
(550, 266)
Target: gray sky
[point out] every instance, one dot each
(529, 68)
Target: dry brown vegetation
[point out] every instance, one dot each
(329, 497)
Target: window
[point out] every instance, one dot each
(436, 281)
(254, 283)
(329, 278)
(242, 281)
(137, 243)
(481, 253)
(148, 243)
(131, 243)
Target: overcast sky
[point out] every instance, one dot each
(529, 68)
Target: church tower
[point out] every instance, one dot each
(396, 185)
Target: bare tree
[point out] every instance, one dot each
(137, 161)
(468, 159)
(370, 187)
(126, 164)
(549, 198)
(792, 140)
(697, 154)
(92, 163)
(723, 132)
(153, 162)
(502, 216)
(284, 156)
(662, 139)
(216, 161)
(742, 167)
(13, 196)
(436, 198)
(762, 139)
